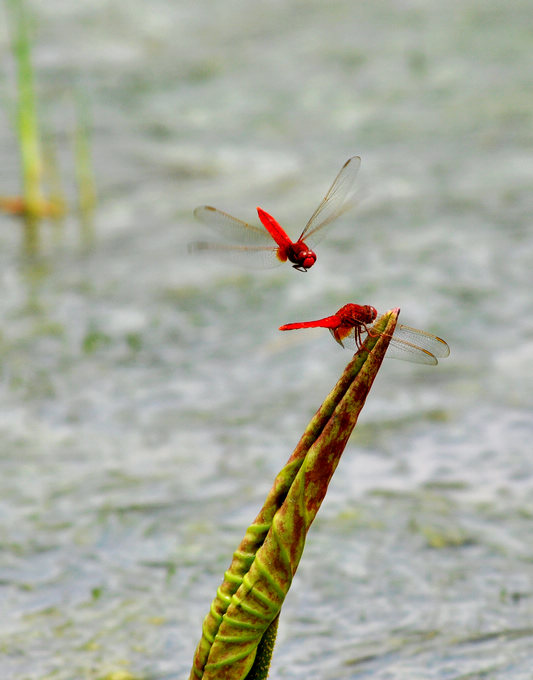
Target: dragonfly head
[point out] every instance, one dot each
(309, 259)
(301, 256)
(304, 266)
(372, 312)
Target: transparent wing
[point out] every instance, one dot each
(231, 229)
(249, 246)
(334, 203)
(249, 257)
(410, 344)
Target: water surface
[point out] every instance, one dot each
(147, 399)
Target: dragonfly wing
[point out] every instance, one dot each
(249, 257)
(231, 229)
(431, 343)
(249, 246)
(334, 203)
(410, 344)
(406, 351)
(346, 337)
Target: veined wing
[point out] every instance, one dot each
(334, 203)
(249, 257)
(231, 229)
(249, 246)
(409, 344)
(412, 344)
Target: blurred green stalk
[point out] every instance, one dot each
(238, 633)
(57, 204)
(83, 169)
(27, 119)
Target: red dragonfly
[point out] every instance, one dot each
(246, 240)
(353, 323)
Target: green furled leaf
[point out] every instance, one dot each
(260, 575)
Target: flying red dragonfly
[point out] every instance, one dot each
(353, 323)
(248, 243)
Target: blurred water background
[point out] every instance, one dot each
(147, 399)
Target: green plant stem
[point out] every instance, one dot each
(259, 577)
(27, 119)
(84, 174)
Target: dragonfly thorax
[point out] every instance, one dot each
(357, 315)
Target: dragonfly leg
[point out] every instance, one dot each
(357, 334)
(358, 331)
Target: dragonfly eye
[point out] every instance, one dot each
(309, 259)
(373, 312)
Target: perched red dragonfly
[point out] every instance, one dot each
(253, 245)
(353, 323)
